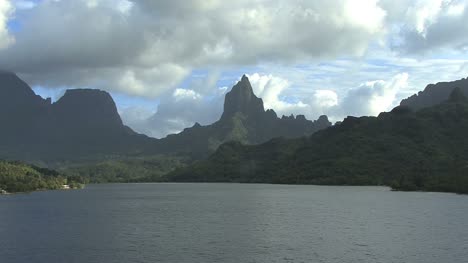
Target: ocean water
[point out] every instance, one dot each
(233, 223)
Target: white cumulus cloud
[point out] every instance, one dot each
(373, 97)
(6, 12)
(91, 43)
(431, 25)
(368, 99)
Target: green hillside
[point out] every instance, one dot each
(20, 177)
(424, 150)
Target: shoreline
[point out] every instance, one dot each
(390, 188)
(4, 192)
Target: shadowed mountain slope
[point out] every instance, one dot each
(81, 123)
(423, 150)
(434, 94)
(85, 124)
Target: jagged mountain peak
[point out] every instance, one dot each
(86, 121)
(244, 78)
(11, 83)
(242, 99)
(323, 119)
(15, 92)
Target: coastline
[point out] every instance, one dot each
(81, 186)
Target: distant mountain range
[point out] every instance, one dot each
(245, 120)
(419, 145)
(406, 149)
(85, 124)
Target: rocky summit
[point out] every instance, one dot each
(244, 120)
(85, 123)
(241, 99)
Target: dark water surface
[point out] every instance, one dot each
(233, 223)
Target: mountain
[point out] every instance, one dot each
(84, 125)
(434, 94)
(405, 149)
(20, 107)
(80, 124)
(244, 119)
(241, 99)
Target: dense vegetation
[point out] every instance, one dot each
(423, 150)
(20, 177)
(138, 169)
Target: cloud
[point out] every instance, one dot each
(308, 55)
(325, 98)
(373, 97)
(136, 42)
(431, 25)
(368, 99)
(178, 110)
(149, 82)
(270, 88)
(185, 94)
(88, 36)
(6, 11)
(184, 107)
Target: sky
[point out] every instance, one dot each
(168, 64)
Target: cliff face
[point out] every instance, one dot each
(14, 92)
(241, 99)
(81, 122)
(242, 108)
(17, 99)
(435, 94)
(21, 110)
(91, 112)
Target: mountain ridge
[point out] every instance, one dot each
(404, 149)
(244, 119)
(434, 94)
(85, 123)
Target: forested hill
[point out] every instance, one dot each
(20, 177)
(422, 150)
